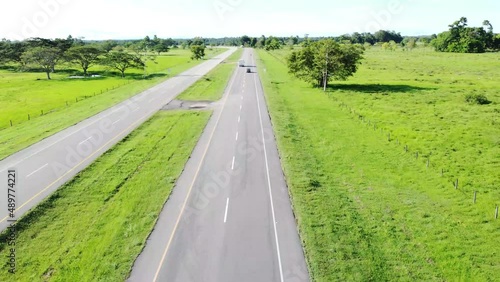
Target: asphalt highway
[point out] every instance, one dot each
(229, 217)
(46, 165)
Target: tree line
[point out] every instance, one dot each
(45, 54)
(460, 38)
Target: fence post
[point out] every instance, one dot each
(428, 162)
(389, 137)
(29, 118)
(456, 184)
(10, 123)
(416, 155)
(42, 112)
(496, 212)
(475, 195)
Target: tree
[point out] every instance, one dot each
(409, 43)
(273, 43)
(253, 42)
(387, 36)
(85, 56)
(12, 51)
(197, 41)
(162, 45)
(122, 61)
(261, 42)
(44, 57)
(325, 59)
(496, 42)
(108, 45)
(245, 40)
(461, 38)
(198, 52)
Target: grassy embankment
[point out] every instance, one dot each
(23, 94)
(94, 226)
(368, 210)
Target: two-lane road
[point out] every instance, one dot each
(46, 165)
(229, 217)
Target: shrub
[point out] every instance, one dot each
(479, 99)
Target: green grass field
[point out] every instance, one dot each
(23, 94)
(93, 227)
(108, 210)
(366, 209)
(211, 87)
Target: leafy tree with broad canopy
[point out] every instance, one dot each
(321, 60)
(44, 57)
(122, 61)
(85, 56)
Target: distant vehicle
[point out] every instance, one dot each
(241, 63)
(249, 70)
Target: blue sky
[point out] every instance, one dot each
(119, 19)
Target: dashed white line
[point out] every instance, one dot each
(227, 206)
(37, 170)
(116, 122)
(269, 182)
(237, 134)
(232, 165)
(85, 140)
(135, 110)
(151, 100)
(239, 118)
(241, 106)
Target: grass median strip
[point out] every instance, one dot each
(94, 226)
(366, 210)
(211, 86)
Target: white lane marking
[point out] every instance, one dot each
(237, 134)
(37, 170)
(239, 118)
(135, 110)
(269, 182)
(85, 140)
(242, 97)
(167, 247)
(116, 122)
(151, 100)
(232, 165)
(241, 106)
(225, 214)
